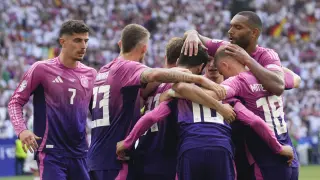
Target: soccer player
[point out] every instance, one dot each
(116, 105)
(243, 84)
(156, 151)
(239, 127)
(162, 111)
(62, 89)
(245, 29)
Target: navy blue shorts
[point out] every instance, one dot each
(275, 172)
(103, 174)
(210, 163)
(55, 166)
(110, 174)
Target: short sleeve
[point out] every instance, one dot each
(131, 73)
(289, 80)
(232, 86)
(213, 45)
(270, 60)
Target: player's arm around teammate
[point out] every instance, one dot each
(243, 35)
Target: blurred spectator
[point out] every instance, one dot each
(28, 31)
(20, 158)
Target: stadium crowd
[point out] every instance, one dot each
(29, 32)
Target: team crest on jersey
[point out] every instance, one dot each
(23, 85)
(84, 81)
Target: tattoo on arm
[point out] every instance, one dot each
(167, 76)
(145, 74)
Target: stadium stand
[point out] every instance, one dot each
(28, 33)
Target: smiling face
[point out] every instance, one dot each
(241, 33)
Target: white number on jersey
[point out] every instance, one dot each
(150, 101)
(196, 108)
(270, 110)
(103, 103)
(74, 92)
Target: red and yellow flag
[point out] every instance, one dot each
(276, 30)
(305, 35)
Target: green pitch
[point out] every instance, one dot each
(306, 173)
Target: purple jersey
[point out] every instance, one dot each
(265, 105)
(158, 146)
(200, 126)
(266, 57)
(115, 110)
(61, 100)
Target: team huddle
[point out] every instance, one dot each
(214, 112)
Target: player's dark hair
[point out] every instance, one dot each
(132, 35)
(253, 19)
(173, 49)
(73, 26)
(195, 60)
(219, 55)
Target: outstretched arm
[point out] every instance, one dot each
(272, 80)
(260, 127)
(174, 76)
(268, 71)
(203, 96)
(145, 122)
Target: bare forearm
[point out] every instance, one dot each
(195, 94)
(168, 76)
(271, 81)
(149, 89)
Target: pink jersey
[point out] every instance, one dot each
(61, 100)
(266, 57)
(265, 105)
(115, 110)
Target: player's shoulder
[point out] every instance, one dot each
(267, 52)
(247, 78)
(130, 64)
(83, 66)
(41, 65)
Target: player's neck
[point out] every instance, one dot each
(67, 62)
(131, 56)
(251, 49)
(240, 69)
(170, 66)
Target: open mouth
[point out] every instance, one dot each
(231, 39)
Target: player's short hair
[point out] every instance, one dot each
(195, 60)
(132, 35)
(73, 26)
(173, 49)
(221, 53)
(253, 19)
